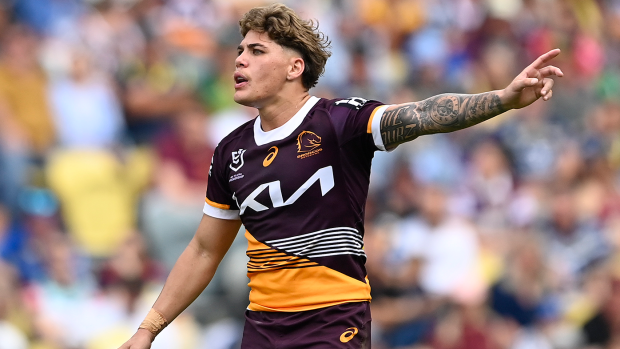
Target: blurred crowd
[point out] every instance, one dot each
(501, 236)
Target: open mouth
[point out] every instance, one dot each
(240, 80)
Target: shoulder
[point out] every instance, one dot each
(345, 104)
(355, 107)
(245, 130)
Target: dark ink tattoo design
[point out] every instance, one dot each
(438, 114)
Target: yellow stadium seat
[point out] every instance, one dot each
(98, 194)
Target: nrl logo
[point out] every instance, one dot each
(211, 166)
(237, 159)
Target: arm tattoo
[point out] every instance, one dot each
(438, 114)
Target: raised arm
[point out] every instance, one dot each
(450, 112)
(190, 275)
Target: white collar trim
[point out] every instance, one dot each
(261, 137)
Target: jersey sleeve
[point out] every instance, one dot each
(356, 117)
(219, 202)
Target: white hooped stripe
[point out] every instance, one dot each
(331, 243)
(220, 213)
(330, 232)
(335, 254)
(356, 246)
(324, 237)
(376, 127)
(313, 233)
(323, 243)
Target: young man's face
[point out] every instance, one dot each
(261, 71)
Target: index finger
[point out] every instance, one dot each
(542, 60)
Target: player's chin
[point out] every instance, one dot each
(242, 98)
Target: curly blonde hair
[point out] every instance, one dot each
(288, 30)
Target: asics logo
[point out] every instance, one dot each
(348, 334)
(273, 151)
(325, 177)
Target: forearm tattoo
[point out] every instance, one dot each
(441, 113)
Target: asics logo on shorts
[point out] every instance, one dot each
(348, 334)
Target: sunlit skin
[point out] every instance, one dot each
(268, 77)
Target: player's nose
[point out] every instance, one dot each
(240, 61)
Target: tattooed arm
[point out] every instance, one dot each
(443, 113)
(450, 112)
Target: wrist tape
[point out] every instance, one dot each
(154, 322)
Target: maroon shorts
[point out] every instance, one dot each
(340, 326)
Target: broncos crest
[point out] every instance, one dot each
(307, 141)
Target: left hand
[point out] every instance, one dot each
(532, 83)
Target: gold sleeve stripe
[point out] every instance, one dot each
(215, 204)
(369, 128)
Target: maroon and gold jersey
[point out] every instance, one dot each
(300, 191)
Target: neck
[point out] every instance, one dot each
(277, 114)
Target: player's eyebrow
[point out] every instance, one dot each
(251, 46)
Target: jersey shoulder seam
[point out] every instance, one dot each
(235, 134)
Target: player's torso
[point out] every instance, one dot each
(303, 222)
(291, 186)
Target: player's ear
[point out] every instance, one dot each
(296, 68)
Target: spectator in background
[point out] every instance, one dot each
(569, 167)
(431, 259)
(87, 113)
(183, 154)
(112, 35)
(91, 168)
(22, 244)
(129, 281)
(436, 160)
(401, 310)
(159, 50)
(23, 90)
(459, 327)
(63, 301)
(49, 16)
(598, 309)
(131, 271)
(10, 308)
(446, 245)
(153, 93)
(523, 293)
(26, 128)
(489, 186)
(572, 242)
(401, 198)
(532, 141)
(601, 136)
